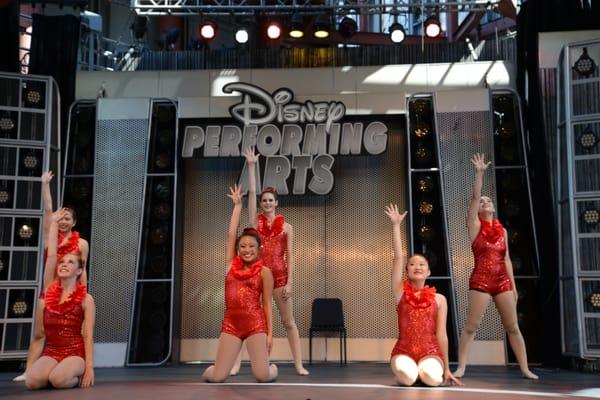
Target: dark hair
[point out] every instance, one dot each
(271, 190)
(249, 232)
(418, 255)
(72, 211)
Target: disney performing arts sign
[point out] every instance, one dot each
(298, 137)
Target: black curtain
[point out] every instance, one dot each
(54, 46)
(534, 17)
(9, 37)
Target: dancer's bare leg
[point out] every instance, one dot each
(229, 348)
(431, 371)
(405, 369)
(286, 311)
(478, 302)
(259, 358)
(238, 363)
(505, 302)
(39, 373)
(35, 351)
(66, 374)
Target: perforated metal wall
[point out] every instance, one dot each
(117, 208)
(342, 242)
(462, 135)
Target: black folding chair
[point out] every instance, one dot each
(328, 317)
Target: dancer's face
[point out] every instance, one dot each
(66, 223)
(248, 249)
(69, 266)
(417, 268)
(268, 203)
(486, 205)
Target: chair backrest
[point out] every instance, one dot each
(327, 313)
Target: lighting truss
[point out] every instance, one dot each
(344, 7)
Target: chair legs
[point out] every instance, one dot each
(310, 336)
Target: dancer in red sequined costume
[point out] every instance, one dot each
(421, 351)
(492, 276)
(278, 254)
(67, 315)
(248, 294)
(69, 241)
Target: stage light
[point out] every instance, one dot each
(158, 236)
(426, 233)
(208, 31)
(585, 65)
(595, 300)
(20, 307)
(322, 26)
(421, 130)
(419, 107)
(30, 161)
(162, 161)
(33, 97)
(274, 30)
(2, 265)
(4, 197)
(588, 139)
(347, 27)
(25, 232)
(397, 33)
(162, 190)
(425, 184)
(162, 211)
(6, 123)
(423, 155)
(591, 216)
(425, 207)
(296, 26)
(139, 27)
(241, 36)
(432, 27)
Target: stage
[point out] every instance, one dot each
(327, 381)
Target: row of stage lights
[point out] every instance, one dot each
(322, 28)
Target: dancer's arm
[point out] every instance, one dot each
(89, 319)
(473, 223)
(84, 251)
(251, 160)
(235, 194)
(51, 245)
(399, 258)
(290, 260)
(442, 337)
(267, 296)
(509, 269)
(46, 178)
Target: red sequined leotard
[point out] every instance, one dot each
(274, 246)
(417, 320)
(244, 315)
(62, 323)
(489, 249)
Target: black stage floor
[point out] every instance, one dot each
(326, 382)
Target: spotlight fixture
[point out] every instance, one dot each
(423, 155)
(425, 184)
(425, 233)
(425, 207)
(397, 33)
(419, 107)
(33, 97)
(20, 307)
(6, 124)
(242, 36)
(296, 26)
(432, 27)
(30, 161)
(162, 211)
(2, 265)
(595, 300)
(162, 161)
(421, 130)
(158, 236)
(25, 232)
(274, 30)
(585, 65)
(162, 190)
(208, 31)
(4, 197)
(347, 27)
(322, 26)
(588, 139)
(591, 216)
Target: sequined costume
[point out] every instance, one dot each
(62, 323)
(69, 246)
(274, 246)
(244, 315)
(417, 321)
(489, 249)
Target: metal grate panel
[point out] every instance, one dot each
(461, 135)
(116, 218)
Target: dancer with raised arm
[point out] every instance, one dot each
(248, 294)
(69, 241)
(278, 254)
(421, 351)
(492, 276)
(66, 314)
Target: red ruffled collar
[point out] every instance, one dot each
(419, 298)
(240, 273)
(53, 298)
(72, 245)
(270, 230)
(491, 231)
